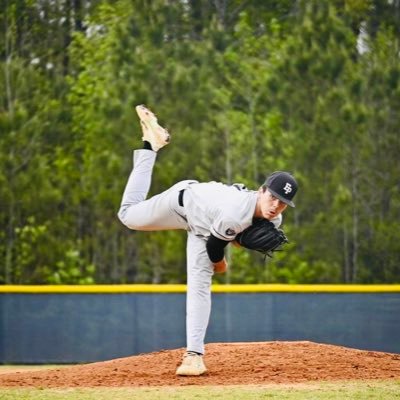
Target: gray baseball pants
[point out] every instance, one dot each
(163, 212)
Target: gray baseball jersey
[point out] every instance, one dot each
(219, 209)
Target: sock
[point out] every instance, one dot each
(147, 145)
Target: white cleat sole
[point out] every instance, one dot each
(153, 133)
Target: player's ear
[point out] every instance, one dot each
(262, 189)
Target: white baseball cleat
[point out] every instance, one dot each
(192, 365)
(153, 133)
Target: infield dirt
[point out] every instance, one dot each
(227, 363)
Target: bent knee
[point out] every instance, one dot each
(134, 220)
(123, 217)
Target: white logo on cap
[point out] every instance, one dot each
(287, 188)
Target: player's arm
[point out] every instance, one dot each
(215, 250)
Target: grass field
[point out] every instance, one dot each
(376, 390)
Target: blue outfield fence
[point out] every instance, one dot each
(71, 324)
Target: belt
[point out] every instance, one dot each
(180, 197)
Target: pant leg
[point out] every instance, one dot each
(157, 213)
(198, 298)
(139, 181)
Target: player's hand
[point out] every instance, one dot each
(221, 266)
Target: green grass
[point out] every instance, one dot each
(376, 390)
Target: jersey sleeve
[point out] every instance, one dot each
(225, 228)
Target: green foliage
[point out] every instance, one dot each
(245, 89)
(71, 270)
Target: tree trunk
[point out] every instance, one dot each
(354, 256)
(346, 261)
(67, 37)
(228, 173)
(8, 57)
(254, 156)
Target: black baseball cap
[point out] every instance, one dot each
(283, 186)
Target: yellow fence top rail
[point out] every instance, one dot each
(239, 288)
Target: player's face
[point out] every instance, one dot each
(269, 207)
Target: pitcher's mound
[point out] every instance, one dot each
(227, 363)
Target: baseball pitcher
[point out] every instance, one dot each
(213, 214)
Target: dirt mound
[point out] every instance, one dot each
(228, 364)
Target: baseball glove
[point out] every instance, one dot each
(262, 236)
